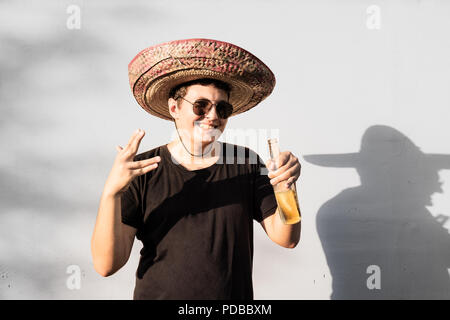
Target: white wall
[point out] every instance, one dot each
(65, 103)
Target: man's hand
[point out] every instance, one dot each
(124, 169)
(289, 169)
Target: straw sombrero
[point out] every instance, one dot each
(158, 69)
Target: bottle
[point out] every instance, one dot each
(287, 200)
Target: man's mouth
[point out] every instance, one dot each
(206, 126)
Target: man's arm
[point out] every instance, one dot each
(285, 235)
(112, 240)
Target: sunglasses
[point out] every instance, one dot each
(202, 106)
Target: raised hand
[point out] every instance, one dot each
(124, 169)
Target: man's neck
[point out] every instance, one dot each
(179, 152)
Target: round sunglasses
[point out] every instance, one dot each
(202, 106)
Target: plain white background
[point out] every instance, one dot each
(342, 67)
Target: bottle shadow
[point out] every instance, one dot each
(379, 239)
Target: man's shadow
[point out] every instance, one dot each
(379, 239)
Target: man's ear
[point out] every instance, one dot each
(173, 108)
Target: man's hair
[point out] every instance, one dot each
(180, 90)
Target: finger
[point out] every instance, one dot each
(133, 136)
(119, 148)
(290, 163)
(144, 163)
(283, 158)
(276, 166)
(270, 165)
(136, 142)
(283, 177)
(133, 145)
(290, 181)
(291, 172)
(146, 169)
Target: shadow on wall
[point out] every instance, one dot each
(379, 239)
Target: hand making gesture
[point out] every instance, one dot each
(125, 169)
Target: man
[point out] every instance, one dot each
(192, 202)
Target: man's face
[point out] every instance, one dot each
(205, 128)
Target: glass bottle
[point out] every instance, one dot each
(287, 200)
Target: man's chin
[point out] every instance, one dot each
(207, 137)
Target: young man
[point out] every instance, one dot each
(192, 202)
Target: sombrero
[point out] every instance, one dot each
(158, 69)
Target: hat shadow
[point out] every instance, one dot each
(379, 239)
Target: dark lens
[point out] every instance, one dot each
(224, 109)
(200, 107)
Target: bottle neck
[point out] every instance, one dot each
(274, 149)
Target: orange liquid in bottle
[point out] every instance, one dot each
(288, 204)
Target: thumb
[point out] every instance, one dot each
(270, 165)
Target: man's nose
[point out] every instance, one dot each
(211, 113)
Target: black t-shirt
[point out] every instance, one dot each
(197, 226)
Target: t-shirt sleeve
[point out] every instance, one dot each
(131, 204)
(265, 201)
